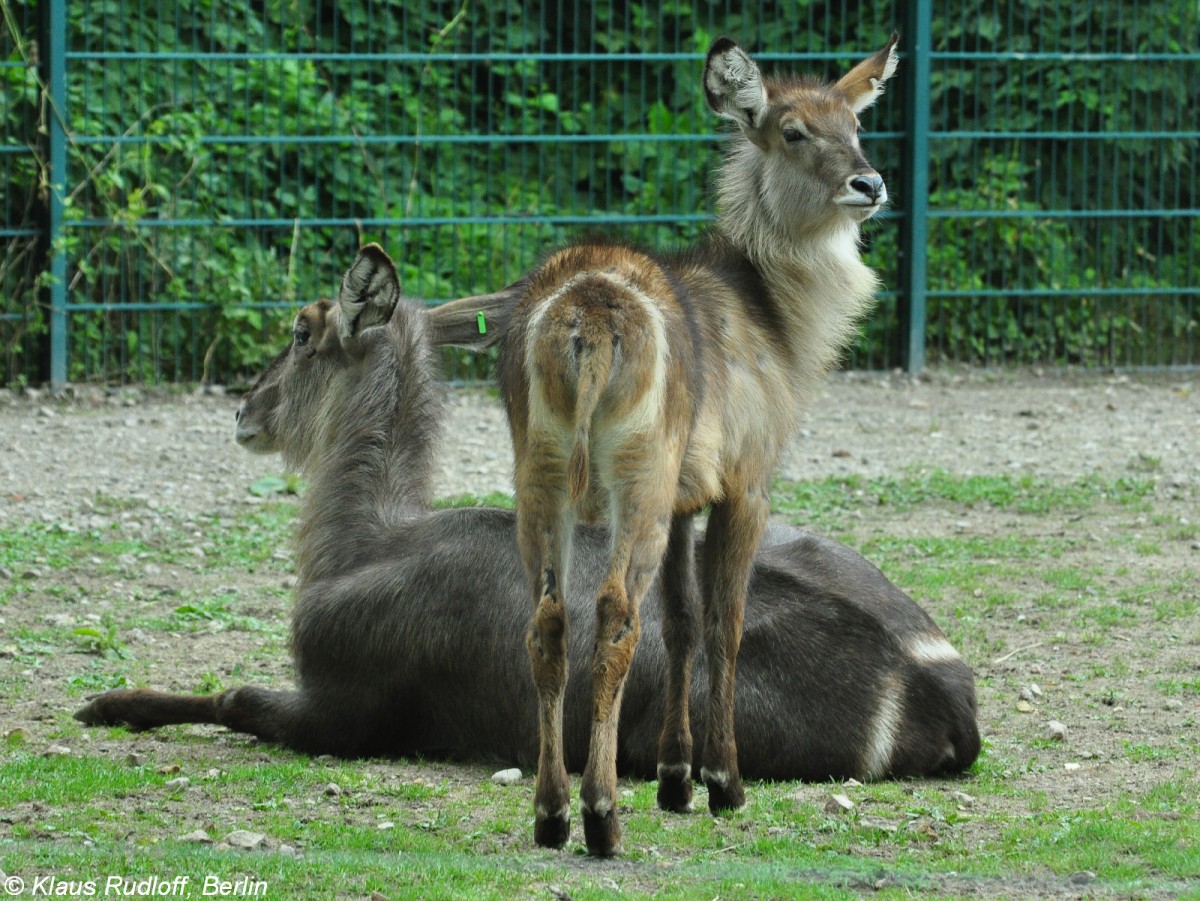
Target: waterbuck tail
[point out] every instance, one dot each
(593, 366)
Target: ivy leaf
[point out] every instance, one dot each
(269, 485)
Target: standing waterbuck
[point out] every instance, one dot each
(650, 386)
(408, 623)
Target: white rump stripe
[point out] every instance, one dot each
(881, 743)
(933, 650)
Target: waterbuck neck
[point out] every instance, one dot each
(811, 264)
(383, 424)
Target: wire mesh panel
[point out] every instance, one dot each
(1063, 200)
(224, 160)
(227, 159)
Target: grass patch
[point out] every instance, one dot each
(420, 829)
(491, 499)
(404, 839)
(823, 504)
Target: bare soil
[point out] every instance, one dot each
(1107, 659)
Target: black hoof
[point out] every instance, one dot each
(552, 832)
(602, 833)
(725, 797)
(675, 794)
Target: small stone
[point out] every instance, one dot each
(878, 823)
(386, 824)
(287, 850)
(963, 799)
(1173, 704)
(333, 790)
(57, 751)
(136, 759)
(507, 777)
(199, 837)
(1071, 767)
(170, 769)
(1056, 731)
(1031, 692)
(246, 841)
(839, 804)
(177, 784)
(1083, 877)
(1024, 707)
(852, 783)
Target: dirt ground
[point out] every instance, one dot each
(148, 458)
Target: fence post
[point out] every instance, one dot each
(914, 229)
(56, 65)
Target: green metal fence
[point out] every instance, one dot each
(201, 169)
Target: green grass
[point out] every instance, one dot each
(39, 555)
(92, 813)
(406, 839)
(824, 504)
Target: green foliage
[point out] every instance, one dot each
(235, 172)
(104, 640)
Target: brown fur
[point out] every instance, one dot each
(407, 623)
(648, 387)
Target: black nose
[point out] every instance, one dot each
(869, 185)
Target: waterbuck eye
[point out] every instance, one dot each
(793, 135)
(300, 335)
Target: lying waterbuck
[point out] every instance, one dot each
(408, 623)
(648, 386)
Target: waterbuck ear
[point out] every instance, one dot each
(369, 293)
(734, 86)
(474, 323)
(863, 84)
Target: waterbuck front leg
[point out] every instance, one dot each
(681, 633)
(544, 529)
(735, 528)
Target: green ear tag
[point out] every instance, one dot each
(481, 322)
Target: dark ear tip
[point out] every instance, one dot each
(721, 45)
(374, 252)
(893, 40)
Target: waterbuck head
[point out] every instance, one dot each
(800, 169)
(292, 406)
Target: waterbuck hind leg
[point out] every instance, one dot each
(641, 527)
(544, 529)
(735, 528)
(681, 634)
